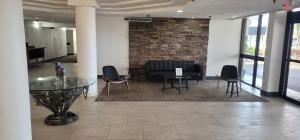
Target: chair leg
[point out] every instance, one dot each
(232, 89)
(228, 83)
(218, 83)
(127, 85)
(237, 89)
(240, 85)
(108, 88)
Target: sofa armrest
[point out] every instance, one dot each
(198, 69)
(146, 69)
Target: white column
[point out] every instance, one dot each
(15, 120)
(273, 56)
(86, 44)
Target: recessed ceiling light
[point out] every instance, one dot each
(36, 24)
(193, 17)
(179, 11)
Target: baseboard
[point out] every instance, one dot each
(269, 94)
(212, 78)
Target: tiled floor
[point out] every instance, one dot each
(274, 120)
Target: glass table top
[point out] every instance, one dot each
(55, 83)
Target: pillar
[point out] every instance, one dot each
(273, 56)
(15, 120)
(86, 44)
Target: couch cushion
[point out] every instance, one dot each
(185, 65)
(160, 73)
(160, 65)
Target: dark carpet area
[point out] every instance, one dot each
(204, 91)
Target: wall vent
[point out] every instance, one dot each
(139, 19)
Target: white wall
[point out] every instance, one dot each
(223, 45)
(15, 120)
(112, 43)
(53, 39)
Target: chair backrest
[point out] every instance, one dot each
(110, 72)
(229, 72)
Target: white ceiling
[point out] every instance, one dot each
(59, 11)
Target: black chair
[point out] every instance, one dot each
(230, 74)
(111, 76)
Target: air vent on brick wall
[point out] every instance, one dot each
(139, 19)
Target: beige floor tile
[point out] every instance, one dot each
(274, 120)
(160, 132)
(125, 132)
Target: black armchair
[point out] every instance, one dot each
(229, 72)
(111, 76)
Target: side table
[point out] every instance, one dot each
(136, 73)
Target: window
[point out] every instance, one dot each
(253, 46)
(250, 34)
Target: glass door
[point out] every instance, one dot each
(293, 82)
(290, 72)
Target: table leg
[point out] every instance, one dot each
(59, 102)
(69, 117)
(186, 84)
(179, 80)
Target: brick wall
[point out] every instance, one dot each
(168, 39)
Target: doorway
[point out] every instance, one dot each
(71, 41)
(290, 77)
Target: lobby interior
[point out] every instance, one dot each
(261, 38)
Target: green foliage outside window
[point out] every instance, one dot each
(250, 50)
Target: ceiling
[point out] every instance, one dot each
(59, 11)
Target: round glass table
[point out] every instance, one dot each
(58, 94)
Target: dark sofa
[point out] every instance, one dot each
(154, 69)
